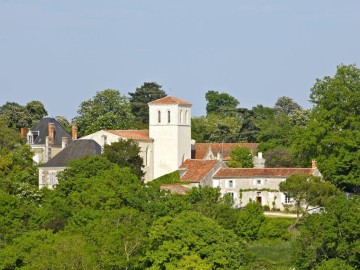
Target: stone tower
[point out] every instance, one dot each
(170, 127)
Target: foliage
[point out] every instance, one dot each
(171, 240)
(330, 238)
(332, 134)
(286, 106)
(240, 157)
(275, 228)
(215, 128)
(249, 221)
(220, 103)
(64, 123)
(280, 158)
(307, 190)
(139, 100)
(125, 153)
(108, 109)
(18, 116)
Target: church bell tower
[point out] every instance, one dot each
(170, 127)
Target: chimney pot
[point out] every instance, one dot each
(313, 164)
(74, 132)
(23, 132)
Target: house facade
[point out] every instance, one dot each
(258, 184)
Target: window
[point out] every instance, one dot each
(231, 183)
(181, 116)
(258, 182)
(186, 117)
(231, 194)
(287, 199)
(30, 139)
(169, 116)
(159, 117)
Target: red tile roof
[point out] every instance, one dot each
(141, 135)
(222, 148)
(175, 188)
(197, 169)
(260, 172)
(170, 100)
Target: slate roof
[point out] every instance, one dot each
(170, 100)
(142, 135)
(175, 188)
(223, 148)
(260, 172)
(42, 127)
(197, 169)
(78, 149)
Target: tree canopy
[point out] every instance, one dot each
(220, 103)
(139, 100)
(108, 109)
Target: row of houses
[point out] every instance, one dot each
(166, 147)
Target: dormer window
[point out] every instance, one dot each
(30, 139)
(169, 116)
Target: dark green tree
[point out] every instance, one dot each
(125, 153)
(332, 134)
(139, 100)
(280, 158)
(64, 123)
(249, 222)
(331, 238)
(108, 109)
(240, 157)
(173, 239)
(220, 103)
(306, 191)
(36, 110)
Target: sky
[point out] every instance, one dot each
(62, 52)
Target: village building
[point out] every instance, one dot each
(167, 147)
(47, 138)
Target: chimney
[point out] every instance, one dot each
(23, 132)
(313, 164)
(51, 130)
(74, 132)
(64, 142)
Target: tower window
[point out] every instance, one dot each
(186, 117)
(181, 116)
(169, 116)
(159, 117)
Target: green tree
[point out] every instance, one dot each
(331, 238)
(125, 153)
(139, 100)
(64, 123)
(332, 134)
(280, 158)
(108, 109)
(240, 157)
(307, 190)
(19, 116)
(287, 106)
(173, 239)
(220, 103)
(249, 222)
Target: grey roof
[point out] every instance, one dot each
(42, 127)
(78, 149)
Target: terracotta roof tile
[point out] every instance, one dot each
(141, 135)
(175, 188)
(170, 100)
(222, 148)
(260, 172)
(196, 170)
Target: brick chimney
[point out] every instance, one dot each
(74, 132)
(64, 142)
(313, 164)
(51, 130)
(23, 132)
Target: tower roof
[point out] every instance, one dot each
(170, 100)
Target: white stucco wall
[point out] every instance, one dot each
(48, 176)
(172, 139)
(259, 187)
(146, 149)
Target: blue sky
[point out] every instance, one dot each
(62, 52)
